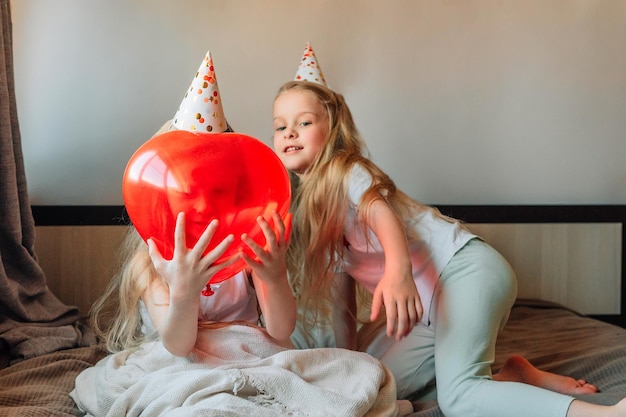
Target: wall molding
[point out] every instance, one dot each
(91, 215)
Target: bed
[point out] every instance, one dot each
(568, 319)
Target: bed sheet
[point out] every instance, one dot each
(40, 386)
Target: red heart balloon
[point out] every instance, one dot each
(226, 176)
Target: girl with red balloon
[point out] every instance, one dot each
(445, 292)
(210, 231)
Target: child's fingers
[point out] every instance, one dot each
(153, 250)
(288, 225)
(217, 251)
(252, 263)
(402, 322)
(214, 269)
(180, 244)
(268, 232)
(155, 255)
(415, 312)
(205, 238)
(254, 247)
(251, 243)
(279, 225)
(282, 227)
(414, 317)
(419, 310)
(377, 302)
(392, 318)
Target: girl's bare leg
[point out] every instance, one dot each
(518, 369)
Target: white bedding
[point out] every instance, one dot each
(236, 370)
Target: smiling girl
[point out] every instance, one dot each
(444, 292)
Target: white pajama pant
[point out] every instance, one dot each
(456, 349)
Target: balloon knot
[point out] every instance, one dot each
(207, 292)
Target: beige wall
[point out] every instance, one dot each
(462, 102)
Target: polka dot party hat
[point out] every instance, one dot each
(309, 69)
(201, 109)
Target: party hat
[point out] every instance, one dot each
(309, 69)
(201, 109)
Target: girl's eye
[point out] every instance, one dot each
(280, 128)
(305, 123)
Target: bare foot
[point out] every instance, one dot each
(518, 369)
(404, 407)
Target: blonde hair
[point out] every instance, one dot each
(116, 316)
(320, 206)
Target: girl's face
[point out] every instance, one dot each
(300, 129)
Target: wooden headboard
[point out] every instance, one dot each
(573, 255)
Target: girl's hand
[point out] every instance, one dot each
(269, 275)
(396, 289)
(189, 270)
(403, 306)
(176, 317)
(271, 265)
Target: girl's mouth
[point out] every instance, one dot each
(292, 149)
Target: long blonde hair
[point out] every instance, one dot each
(320, 206)
(116, 316)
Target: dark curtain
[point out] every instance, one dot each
(32, 320)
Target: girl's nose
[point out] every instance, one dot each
(289, 134)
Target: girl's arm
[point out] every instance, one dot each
(269, 275)
(344, 311)
(396, 289)
(173, 302)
